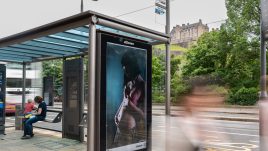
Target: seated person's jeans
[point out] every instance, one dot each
(28, 124)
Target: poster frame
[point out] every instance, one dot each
(102, 38)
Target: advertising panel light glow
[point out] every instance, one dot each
(125, 99)
(125, 96)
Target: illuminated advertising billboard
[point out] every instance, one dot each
(125, 96)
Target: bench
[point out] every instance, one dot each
(83, 123)
(56, 119)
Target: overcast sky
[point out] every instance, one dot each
(20, 15)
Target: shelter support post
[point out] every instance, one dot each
(63, 102)
(91, 146)
(23, 84)
(167, 83)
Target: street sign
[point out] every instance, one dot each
(264, 12)
(159, 11)
(160, 7)
(162, 2)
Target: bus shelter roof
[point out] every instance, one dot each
(68, 37)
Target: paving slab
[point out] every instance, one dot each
(43, 140)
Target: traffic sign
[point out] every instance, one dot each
(159, 11)
(160, 7)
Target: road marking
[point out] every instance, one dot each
(162, 131)
(232, 146)
(255, 141)
(230, 133)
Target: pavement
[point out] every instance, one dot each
(223, 128)
(43, 140)
(168, 134)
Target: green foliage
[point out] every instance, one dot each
(218, 89)
(208, 55)
(179, 87)
(235, 60)
(53, 69)
(243, 96)
(243, 17)
(175, 62)
(231, 53)
(158, 97)
(158, 76)
(173, 47)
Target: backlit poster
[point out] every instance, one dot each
(126, 101)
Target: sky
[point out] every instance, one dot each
(20, 15)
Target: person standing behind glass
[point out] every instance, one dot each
(39, 116)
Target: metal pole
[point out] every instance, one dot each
(23, 84)
(91, 86)
(263, 94)
(167, 58)
(263, 103)
(82, 6)
(63, 106)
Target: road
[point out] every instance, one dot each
(217, 135)
(167, 134)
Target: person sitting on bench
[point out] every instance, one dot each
(39, 116)
(29, 106)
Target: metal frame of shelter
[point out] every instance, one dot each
(69, 37)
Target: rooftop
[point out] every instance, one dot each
(67, 37)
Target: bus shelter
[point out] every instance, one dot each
(102, 39)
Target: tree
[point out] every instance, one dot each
(244, 25)
(53, 69)
(222, 54)
(158, 68)
(175, 61)
(208, 55)
(231, 53)
(243, 17)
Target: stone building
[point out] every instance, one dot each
(186, 35)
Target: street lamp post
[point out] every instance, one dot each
(168, 58)
(263, 103)
(82, 5)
